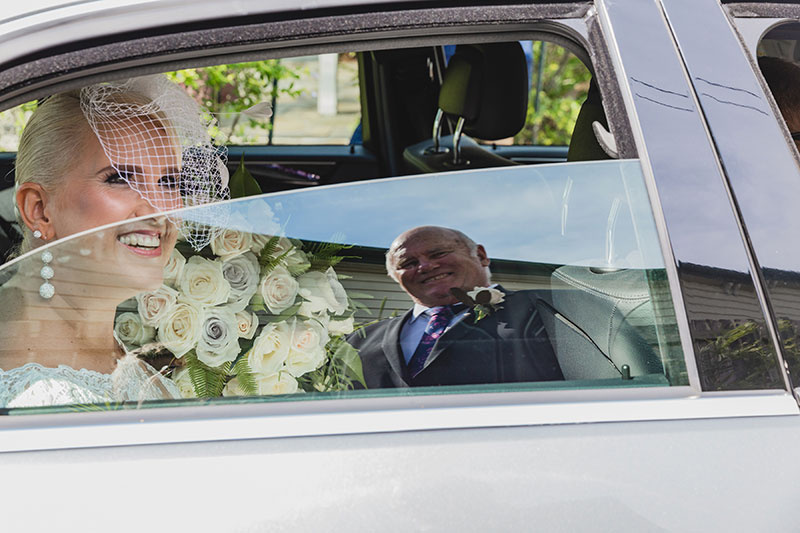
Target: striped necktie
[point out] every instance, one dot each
(440, 317)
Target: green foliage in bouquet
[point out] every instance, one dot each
(250, 314)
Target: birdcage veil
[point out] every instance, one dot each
(150, 124)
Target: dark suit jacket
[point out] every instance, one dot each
(509, 345)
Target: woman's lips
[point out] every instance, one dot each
(146, 243)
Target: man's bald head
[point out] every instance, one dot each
(427, 261)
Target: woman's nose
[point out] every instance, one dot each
(144, 207)
(157, 200)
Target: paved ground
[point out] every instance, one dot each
(297, 120)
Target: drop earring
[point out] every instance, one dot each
(46, 289)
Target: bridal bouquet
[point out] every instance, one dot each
(250, 315)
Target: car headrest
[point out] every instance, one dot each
(583, 146)
(487, 85)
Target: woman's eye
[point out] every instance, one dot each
(169, 181)
(116, 177)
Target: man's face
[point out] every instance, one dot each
(428, 263)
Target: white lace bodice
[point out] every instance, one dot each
(33, 385)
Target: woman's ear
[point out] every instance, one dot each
(32, 202)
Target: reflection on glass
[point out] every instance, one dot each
(59, 307)
(280, 301)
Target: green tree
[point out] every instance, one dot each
(564, 84)
(227, 90)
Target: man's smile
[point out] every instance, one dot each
(437, 277)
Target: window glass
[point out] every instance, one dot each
(558, 83)
(778, 56)
(288, 294)
(314, 100)
(779, 62)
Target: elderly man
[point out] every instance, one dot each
(448, 337)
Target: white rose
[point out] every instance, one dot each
(323, 292)
(278, 289)
(203, 282)
(233, 388)
(174, 268)
(246, 324)
(155, 305)
(130, 329)
(241, 272)
(496, 296)
(219, 337)
(277, 383)
(258, 242)
(297, 262)
(270, 348)
(231, 242)
(284, 245)
(307, 352)
(341, 327)
(179, 330)
(183, 381)
(306, 310)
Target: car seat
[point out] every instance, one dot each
(485, 90)
(583, 145)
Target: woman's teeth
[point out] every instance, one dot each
(140, 240)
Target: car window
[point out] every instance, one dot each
(310, 100)
(777, 56)
(295, 269)
(291, 290)
(558, 83)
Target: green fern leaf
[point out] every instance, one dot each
(267, 252)
(196, 374)
(244, 375)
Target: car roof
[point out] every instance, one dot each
(28, 27)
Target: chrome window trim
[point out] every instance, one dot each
(751, 30)
(677, 14)
(383, 415)
(755, 268)
(655, 202)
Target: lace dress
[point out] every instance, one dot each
(33, 385)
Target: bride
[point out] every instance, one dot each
(107, 153)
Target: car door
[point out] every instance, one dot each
(652, 239)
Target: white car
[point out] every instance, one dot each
(644, 192)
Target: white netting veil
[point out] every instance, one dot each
(156, 137)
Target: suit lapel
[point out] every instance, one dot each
(457, 332)
(391, 346)
(450, 336)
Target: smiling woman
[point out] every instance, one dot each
(90, 158)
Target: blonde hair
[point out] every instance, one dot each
(50, 146)
(53, 141)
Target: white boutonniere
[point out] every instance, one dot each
(483, 300)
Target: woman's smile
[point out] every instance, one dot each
(147, 243)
